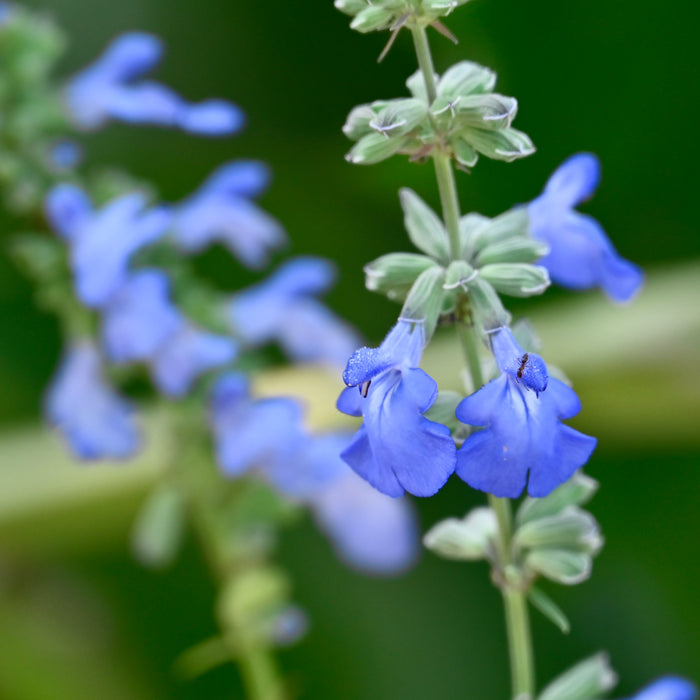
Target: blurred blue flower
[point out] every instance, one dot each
(101, 242)
(668, 688)
(253, 433)
(221, 211)
(397, 449)
(139, 318)
(370, 531)
(283, 309)
(581, 256)
(521, 411)
(104, 90)
(186, 354)
(65, 154)
(5, 12)
(94, 420)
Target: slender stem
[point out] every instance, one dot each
(514, 599)
(515, 603)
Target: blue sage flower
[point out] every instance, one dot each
(140, 318)
(102, 241)
(105, 90)
(188, 353)
(253, 433)
(221, 211)
(521, 412)
(668, 688)
(94, 420)
(283, 309)
(581, 256)
(370, 531)
(397, 448)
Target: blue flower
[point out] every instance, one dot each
(668, 688)
(521, 411)
(397, 449)
(581, 256)
(283, 309)
(94, 420)
(221, 211)
(105, 90)
(370, 531)
(139, 318)
(253, 433)
(65, 154)
(101, 242)
(186, 354)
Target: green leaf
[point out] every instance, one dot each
(394, 274)
(486, 305)
(560, 565)
(463, 153)
(575, 492)
(503, 144)
(469, 539)
(466, 78)
(357, 123)
(491, 111)
(572, 529)
(588, 680)
(549, 609)
(424, 226)
(374, 148)
(372, 18)
(516, 279)
(512, 250)
(424, 302)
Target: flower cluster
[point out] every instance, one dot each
(127, 303)
(523, 440)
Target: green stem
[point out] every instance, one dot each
(514, 599)
(515, 603)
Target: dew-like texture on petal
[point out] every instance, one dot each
(283, 309)
(253, 433)
(668, 688)
(220, 211)
(523, 434)
(139, 318)
(106, 90)
(397, 449)
(67, 208)
(581, 256)
(94, 420)
(370, 531)
(189, 353)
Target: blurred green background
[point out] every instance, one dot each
(79, 619)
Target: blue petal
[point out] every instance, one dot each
(583, 257)
(313, 468)
(140, 318)
(668, 688)
(400, 445)
(211, 118)
(103, 245)
(146, 103)
(371, 532)
(128, 56)
(94, 420)
(189, 353)
(527, 368)
(309, 332)
(574, 181)
(252, 433)
(350, 401)
(242, 178)
(67, 208)
(245, 229)
(524, 435)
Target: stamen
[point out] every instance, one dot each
(364, 388)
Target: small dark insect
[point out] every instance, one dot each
(523, 362)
